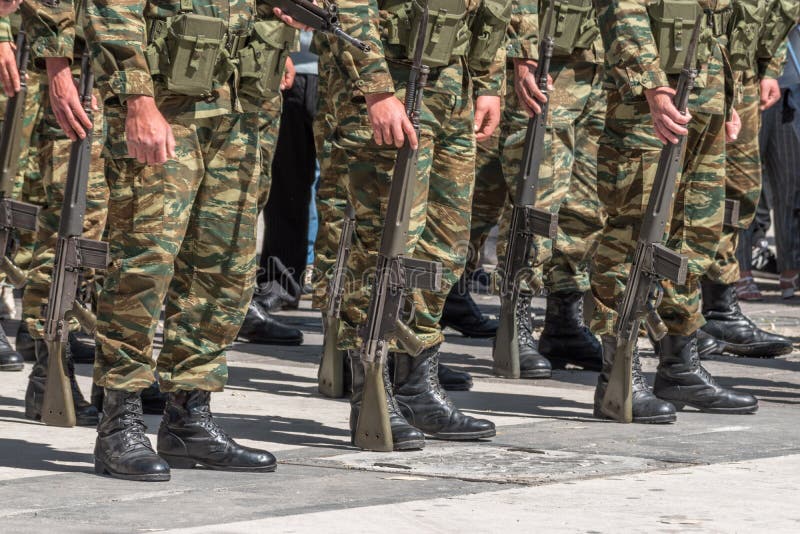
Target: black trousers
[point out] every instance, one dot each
(293, 169)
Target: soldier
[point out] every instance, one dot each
(642, 56)
(463, 69)
(567, 181)
(758, 28)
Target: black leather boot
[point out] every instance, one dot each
(82, 346)
(462, 314)
(85, 413)
(122, 449)
(425, 404)
(271, 296)
(10, 359)
(647, 408)
(531, 363)
(682, 380)
(453, 380)
(735, 332)
(260, 327)
(708, 346)
(404, 436)
(24, 343)
(153, 400)
(565, 338)
(188, 436)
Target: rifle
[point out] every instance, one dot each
(321, 19)
(331, 367)
(526, 220)
(13, 213)
(652, 261)
(394, 275)
(73, 255)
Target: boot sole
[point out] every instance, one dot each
(283, 342)
(462, 436)
(653, 420)
(746, 410)
(539, 373)
(766, 350)
(182, 462)
(409, 445)
(12, 367)
(459, 387)
(101, 469)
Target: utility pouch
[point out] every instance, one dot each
(261, 62)
(575, 25)
(488, 31)
(184, 52)
(745, 26)
(780, 19)
(672, 22)
(447, 34)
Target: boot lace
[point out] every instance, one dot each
(134, 427)
(639, 380)
(435, 385)
(202, 414)
(524, 321)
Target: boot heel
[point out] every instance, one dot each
(178, 462)
(99, 468)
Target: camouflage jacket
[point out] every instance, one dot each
(370, 73)
(5, 30)
(51, 29)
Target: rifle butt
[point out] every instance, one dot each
(618, 399)
(85, 318)
(373, 431)
(16, 276)
(505, 352)
(330, 378)
(58, 408)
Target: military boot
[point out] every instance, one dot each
(122, 449)
(734, 331)
(708, 346)
(404, 436)
(647, 408)
(425, 404)
(531, 363)
(682, 380)
(565, 338)
(462, 314)
(153, 399)
(189, 436)
(85, 413)
(260, 327)
(24, 343)
(453, 380)
(10, 359)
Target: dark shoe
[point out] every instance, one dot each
(153, 400)
(404, 436)
(10, 359)
(708, 346)
(85, 413)
(453, 380)
(425, 404)
(735, 331)
(565, 338)
(122, 449)
(82, 346)
(647, 408)
(24, 343)
(462, 314)
(682, 380)
(188, 436)
(260, 327)
(275, 270)
(271, 296)
(531, 363)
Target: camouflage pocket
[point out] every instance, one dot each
(672, 22)
(261, 62)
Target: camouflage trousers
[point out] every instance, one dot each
(742, 181)
(184, 231)
(567, 177)
(440, 218)
(627, 161)
(270, 122)
(53, 152)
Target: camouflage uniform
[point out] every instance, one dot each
(184, 230)
(440, 220)
(628, 156)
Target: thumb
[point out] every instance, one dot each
(480, 113)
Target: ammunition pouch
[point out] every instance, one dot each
(488, 33)
(745, 26)
(779, 20)
(672, 22)
(261, 62)
(446, 36)
(187, 53)
(575, 25)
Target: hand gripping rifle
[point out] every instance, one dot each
(321, 19)
(526, 221)
(331, 367)
(652, 261)
(13, 213)
(395, 274)
(73, 254)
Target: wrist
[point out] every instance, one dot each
(56, 66)
(140, 102)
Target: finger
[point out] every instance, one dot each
(660, 134)
(15, 81)
(533, 89)
(673, 127)
(170, 144)
(376, 135)
(665, 133)
(397, 134)
(64, 124)
(133, 150)
(74, 124)
(480, 113)
(411, 135)
(5, 79)
(386, 132)
(160, 152)
(81, 116)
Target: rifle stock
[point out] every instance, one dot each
(58, 408)
(652, 261)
